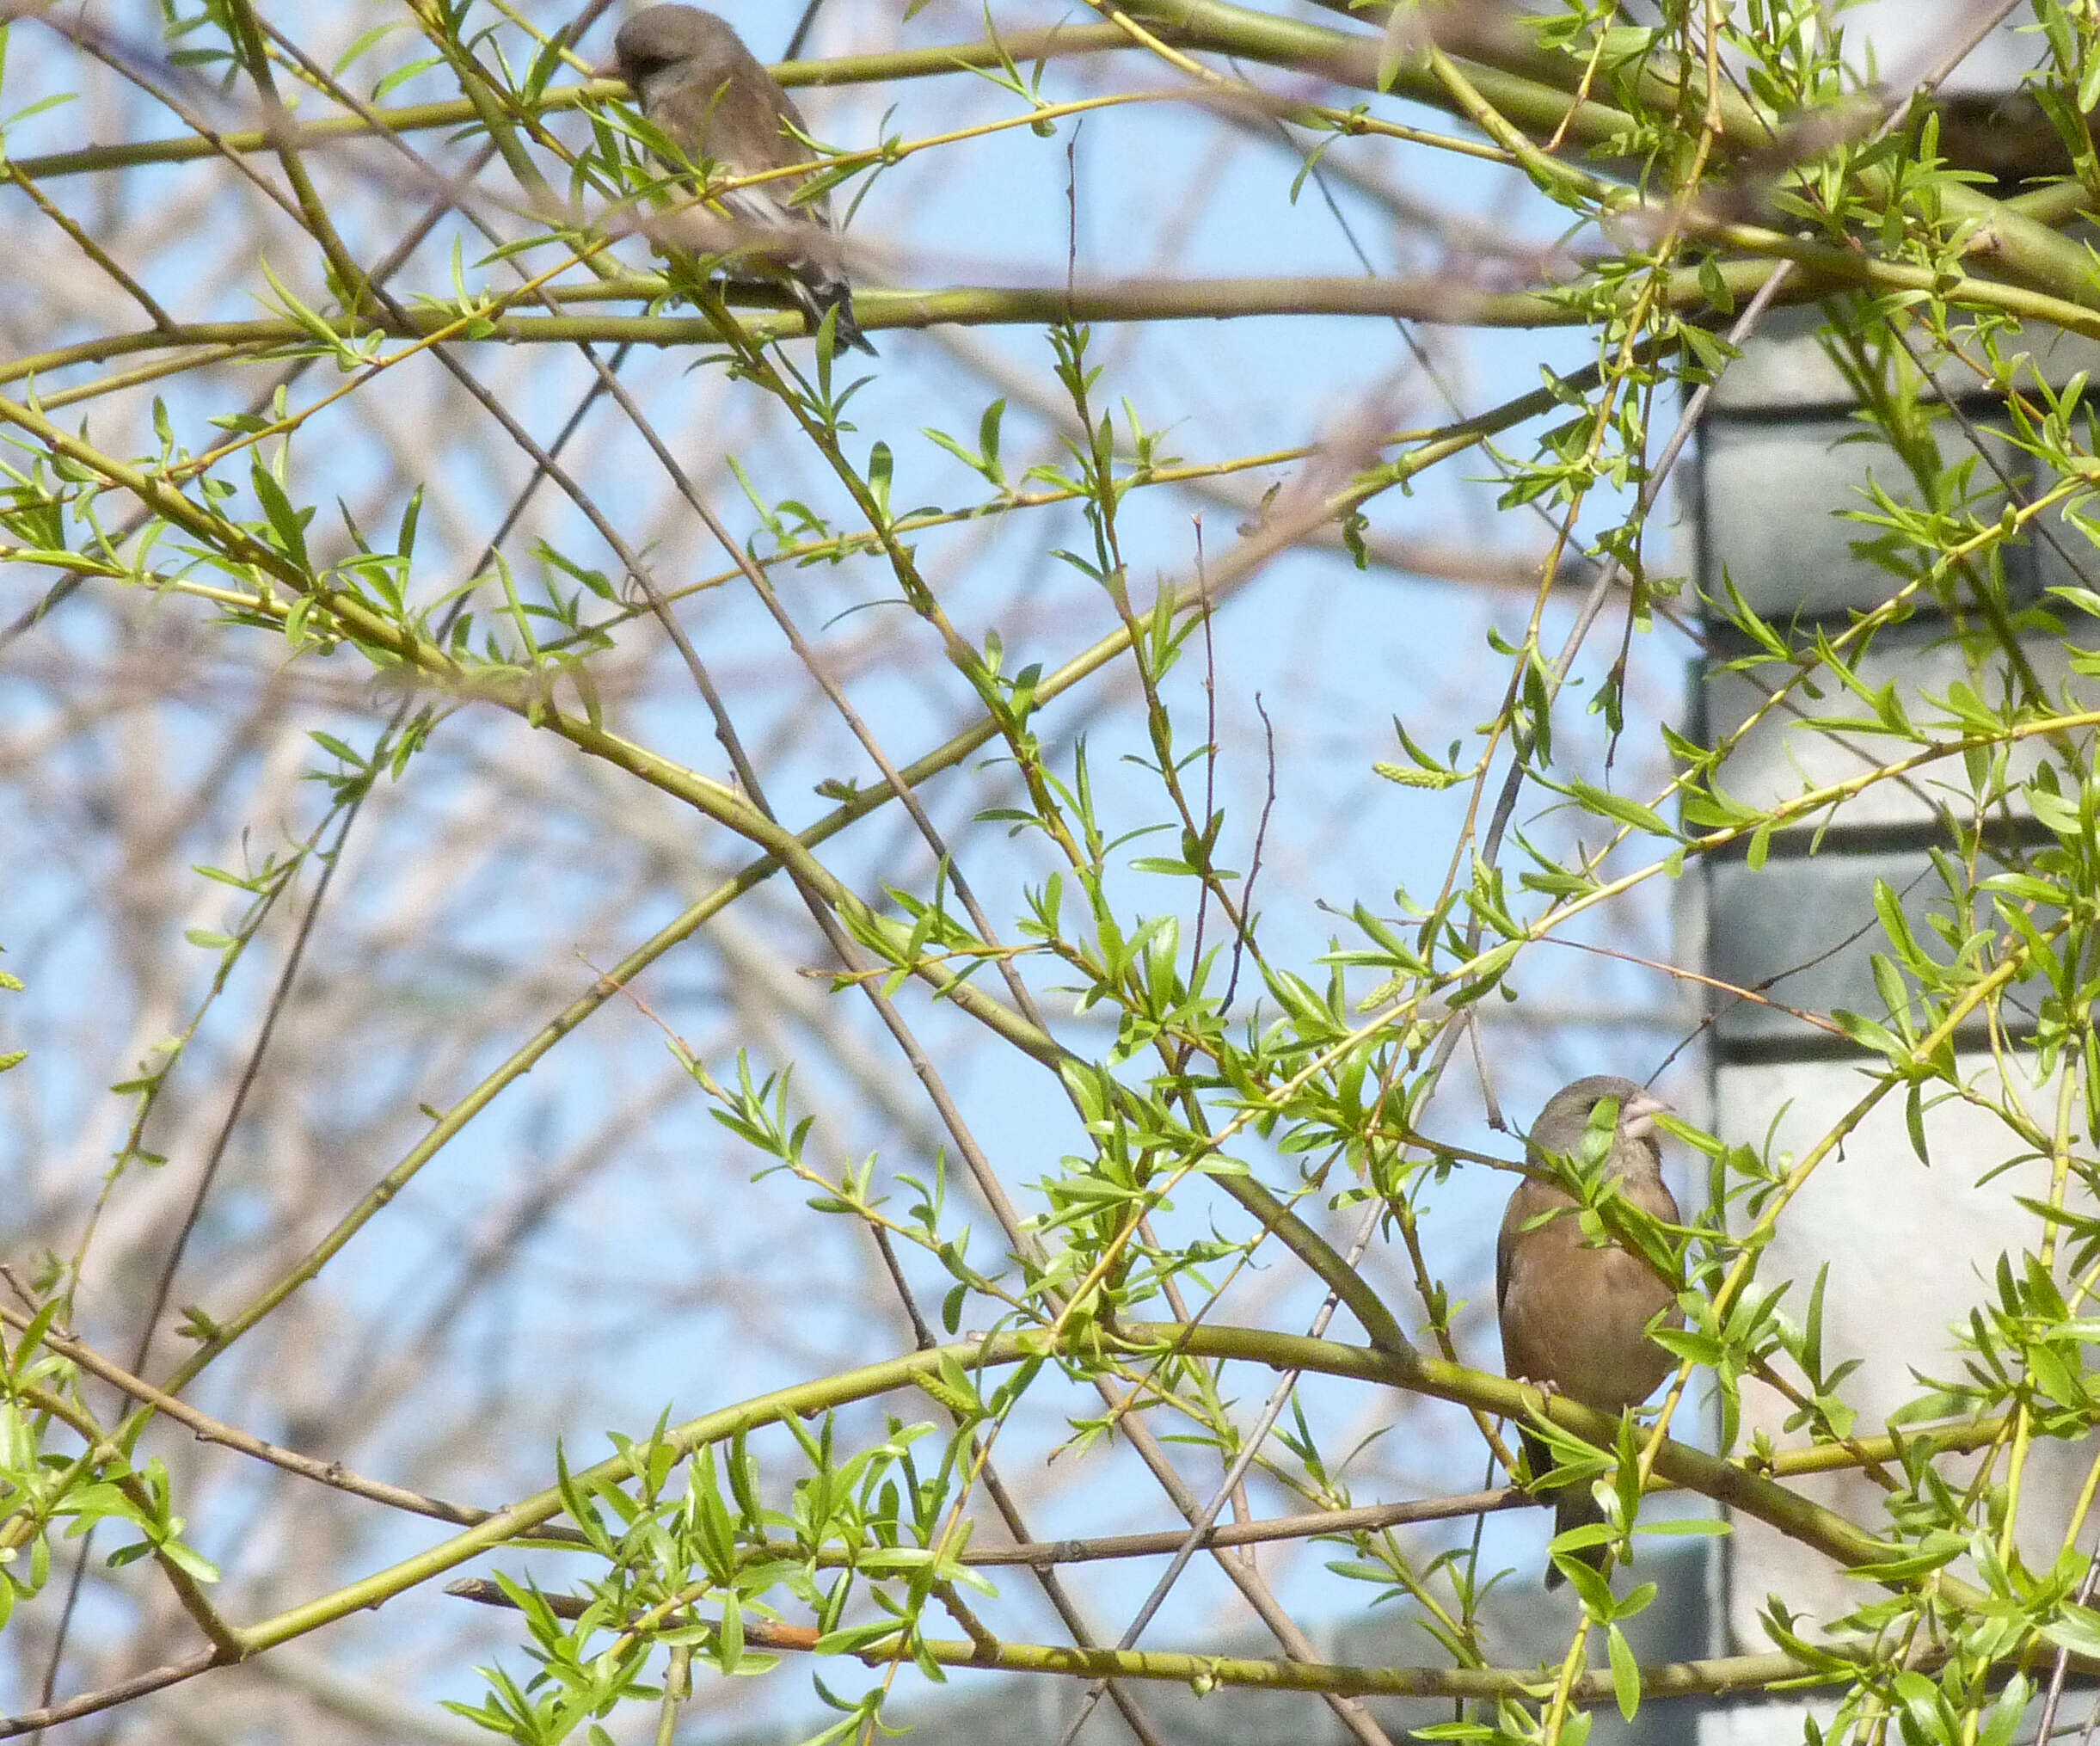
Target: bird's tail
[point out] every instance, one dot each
(817, 299)
(1574, 1506)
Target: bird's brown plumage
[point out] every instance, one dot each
(694, 79)
(1575, 1315)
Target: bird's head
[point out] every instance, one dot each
(1569, 1112)
(676, 42)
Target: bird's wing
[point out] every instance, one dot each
(1504, 1243)
(1522, 1218)
(748, 140)
(745, 136)
(763, 206)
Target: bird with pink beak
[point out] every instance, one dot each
(1576, 1313)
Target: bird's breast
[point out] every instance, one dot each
(1577, 1317)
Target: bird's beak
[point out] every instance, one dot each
(610, 70)
(1637, 1120)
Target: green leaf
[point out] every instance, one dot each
(1625, 1672)
(1875, 1037)
(851, 1640)
(2004, 1721)
(1619, 806)
(881, 466)
(187, 1560)
(289, 524)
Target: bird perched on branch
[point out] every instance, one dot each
(1575, 1313)
(707, 94)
